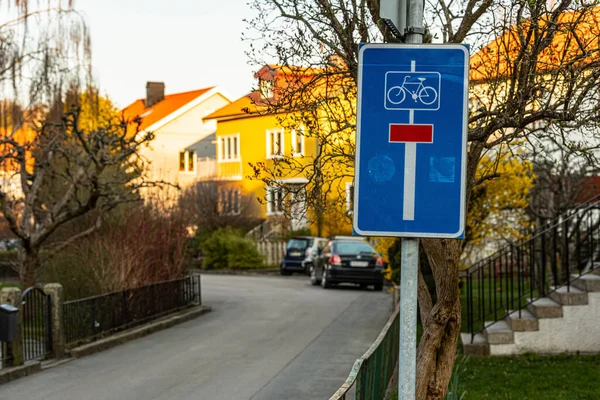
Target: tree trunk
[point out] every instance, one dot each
(29, 264)
(441, 330)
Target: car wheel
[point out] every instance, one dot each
(324, 282)
(313, 276)
(284, 272)
(307, 269)
(378, 287)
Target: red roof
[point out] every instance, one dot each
(160, 110)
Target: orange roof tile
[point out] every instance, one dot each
(246, 106)
(577, 33)
(160, 110)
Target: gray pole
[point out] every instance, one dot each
(407, 367)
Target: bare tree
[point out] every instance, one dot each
(54, 171)
(211, 205)
(64, 173)
(565, 179)
(533, 67)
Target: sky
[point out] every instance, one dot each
(187, 44)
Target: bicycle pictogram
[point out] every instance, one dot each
(415, 89)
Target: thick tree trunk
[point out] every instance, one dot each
(29, 265)
(441, 330)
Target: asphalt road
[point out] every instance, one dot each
(266, 338)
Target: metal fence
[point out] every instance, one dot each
(37, 324)
(371, 373)
(519, 274)
(95, 317)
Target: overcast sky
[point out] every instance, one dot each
(187, 44)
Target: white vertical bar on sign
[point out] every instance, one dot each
(410, 164)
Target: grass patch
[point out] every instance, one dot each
(531, 377)
(492, 298)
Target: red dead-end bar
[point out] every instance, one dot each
(411, 133)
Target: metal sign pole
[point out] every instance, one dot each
(407, 368)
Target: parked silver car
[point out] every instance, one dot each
(300, 254)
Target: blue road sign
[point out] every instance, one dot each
(411, 140)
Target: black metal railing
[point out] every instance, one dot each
(95, 317)
(372, 372)
(37, 324)
(520, 273)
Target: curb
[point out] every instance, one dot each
(129, 335)
(12, 373)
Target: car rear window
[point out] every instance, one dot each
(357, 247)
(299, 244)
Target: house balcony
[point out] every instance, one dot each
(209, 168)
(230, 170)
(206, 168)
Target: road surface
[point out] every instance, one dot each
(266, 338)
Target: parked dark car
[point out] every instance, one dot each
(348, 261)
(300, 253)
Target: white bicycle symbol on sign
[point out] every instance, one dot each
(427, 95)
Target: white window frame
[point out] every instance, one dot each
(265, 87)
(186, 162)
(270, 133)
(270, 200)
(230, 200)
(295, 152)
(349, 199)
(226, 151)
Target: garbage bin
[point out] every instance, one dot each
(8, 322)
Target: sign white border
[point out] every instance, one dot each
(464, 140)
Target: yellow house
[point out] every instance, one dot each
(247, 137)
(183, 150)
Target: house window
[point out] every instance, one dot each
(349, 197)
(229, 148)
(274, 143)
(229, 201)
(275, 200)
(298, 142)
(187, 161)
(266, 88)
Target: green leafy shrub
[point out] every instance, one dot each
(227, 249)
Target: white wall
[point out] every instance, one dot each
(176, 136)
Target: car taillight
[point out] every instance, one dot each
(335, 260)
(379, 262)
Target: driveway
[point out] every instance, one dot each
(266, 338)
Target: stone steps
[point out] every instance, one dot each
(545, 308)
(499, 336)
(569, 296)
(478, 347)
(587, 283)
(499, 333)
